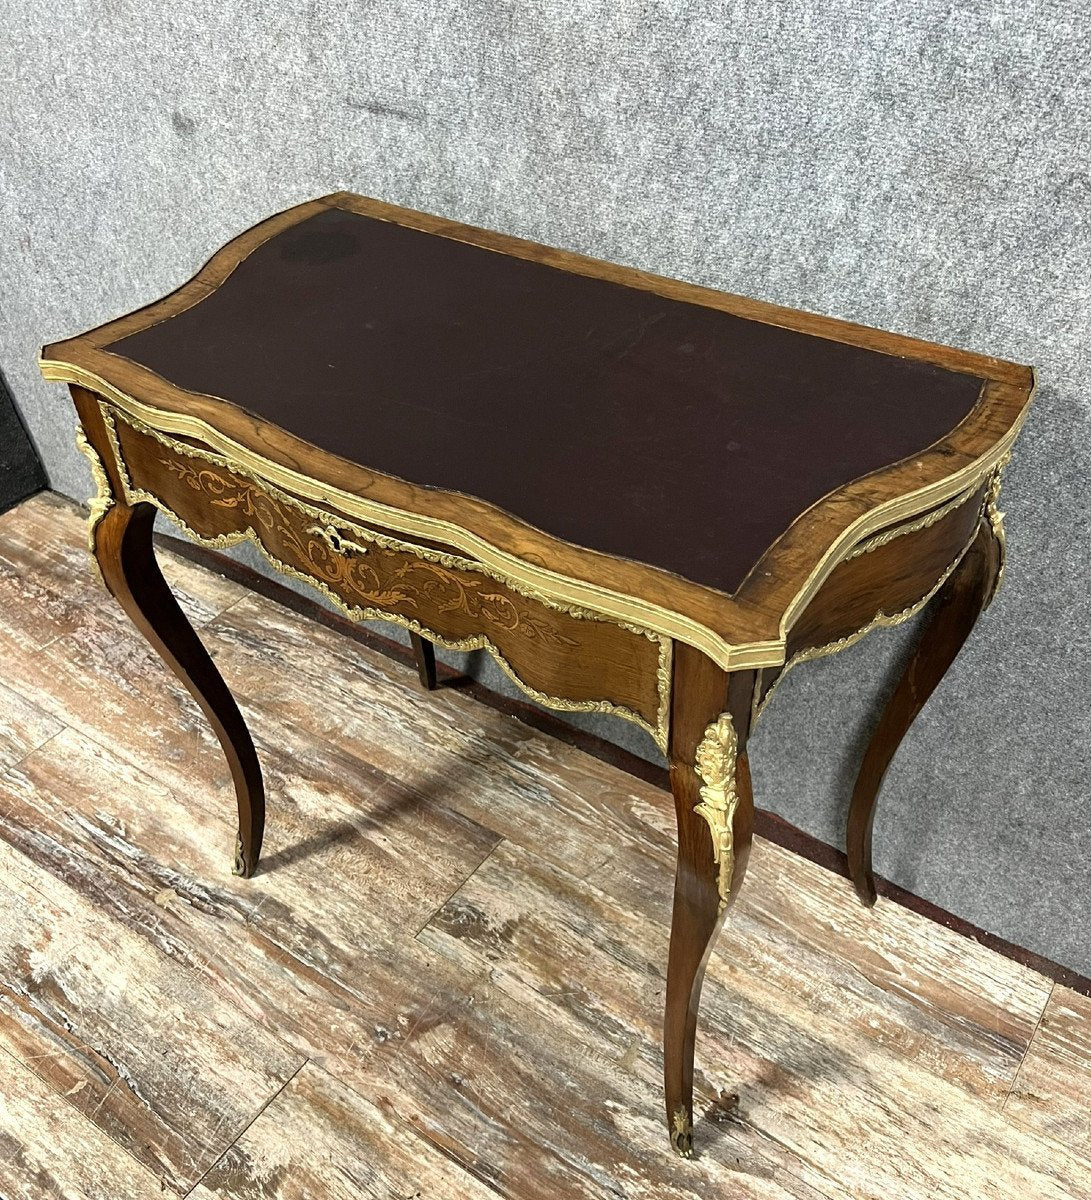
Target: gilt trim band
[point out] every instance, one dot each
(545, 582)
(325, 519)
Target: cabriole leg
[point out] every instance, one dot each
(121, 540)
(710, 780)
(955, 610)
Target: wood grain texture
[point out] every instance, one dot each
(319, 1138)
(888, 579)
(938, 1001)
(507, 777)
(339, 855)
(48, 1151)
(436, 1045)
(461, 932)
(23, 726)
(789, 1046)
(1050, 1093)
(48, 588)
(161, 1062)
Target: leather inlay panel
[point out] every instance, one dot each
(616, 419)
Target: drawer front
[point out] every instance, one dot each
(888, 575)
(884, 581)
(563, 657)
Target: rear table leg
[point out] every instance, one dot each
(956, 608)
(425, 654)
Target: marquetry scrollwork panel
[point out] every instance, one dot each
(564, 657)
(381, 580)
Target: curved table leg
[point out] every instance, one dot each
(124, 552)
(425, 654)
(956, 608)
(708, 768)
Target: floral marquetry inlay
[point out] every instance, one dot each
(386, 581)
(452, 600)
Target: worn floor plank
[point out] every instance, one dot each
(318, 1138)
(49, 1151)
(67, 648)
(48, 584)
(495, 769)
(562, 946)
(461, 932)
(140, 1046)
(939, 1000)
(940, 992)
(23, 726)
(324, 961)
(1052, 1092)
(340, 871)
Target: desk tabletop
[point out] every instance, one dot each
(637, 418)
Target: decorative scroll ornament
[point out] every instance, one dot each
(239, 865)
(681, 1133)
(99, 504)
(716, 767)
(996, 520)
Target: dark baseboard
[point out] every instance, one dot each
(767, 824)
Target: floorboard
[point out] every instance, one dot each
(1051, 1092)
(48, 1151)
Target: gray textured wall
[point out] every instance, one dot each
(923, 168)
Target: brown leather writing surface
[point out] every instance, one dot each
(617, 419)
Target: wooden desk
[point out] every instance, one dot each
(642, 497)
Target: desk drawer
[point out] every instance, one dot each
(564, 658)
(889, 574)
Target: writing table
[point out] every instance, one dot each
(642, 497)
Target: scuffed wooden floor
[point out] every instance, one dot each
(447, 980)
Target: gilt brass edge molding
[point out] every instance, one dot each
(880, 621)
(930, 518)
(715, 764)
(515, 571)
(512, 570)
(134, 494)
(103, 500)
